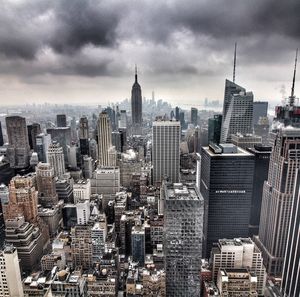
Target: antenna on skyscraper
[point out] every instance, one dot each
(292, 97)
(234, 63)
(135, 73)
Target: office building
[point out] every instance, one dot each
(98, 234)
(10, 276)
(239, 253)
(72, 156)
(290, 285)
(260, 110)
(61, 135)
(237, 282)
(83, 212)
(82, 190)
(183, 233)
(33, 130)
(104, 139)
(64, 190)
(261, 168)
(246, 141)
(214, 129)
(52, 218)
(226, 186)
(43, 142)
(165, 151)
(18, 149)
(194, 116)
(61, 120)
(45, 180)
(87, 169)
(84, 136)
(28, 240)
(56, 159)
(23, 198)
(123, 119)
(237, 111)
(136, 107)
(262, 129)
(277, 198)
(138, 244)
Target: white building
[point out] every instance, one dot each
(10, 276)
(99, 233)
(83, 212)
(82, 190)
(166, 151)
(56, 158)
(239, 253)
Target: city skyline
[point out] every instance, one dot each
(47, 54)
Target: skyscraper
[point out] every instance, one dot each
(56, 159)
(84, 135)
(183, 233)
(237, 111)
(226, 186)
(33, 130)
(18, 150)
(165, 151)
(42, 144)
(61, 120)
(277, 198)
(104, 139)
(214, 128)
(138, 244)
(1, 135)
(194, 116)
(136, 106)
(123, 119)
(45, 180)
(10, 277)
(290, 285)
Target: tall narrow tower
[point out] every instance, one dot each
(136, 106)
(104, 139)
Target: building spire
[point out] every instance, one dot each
(135, 73)
(292, 97)
(234, 63)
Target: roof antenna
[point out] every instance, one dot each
(135, 73)
(292, 97)
(234, 63)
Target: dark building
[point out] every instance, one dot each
(138, 244)
(194, 116)
(260, 110)
(214, 128)
(136, 106)
(84, 136)
(182, 120)
(226, 186)
(177, 110)
(69, 215)
(64, 191)
(33, 131)
(6, 172)
(291, 269)
(1, 136)
(261, 168)
(116, 140)
(61, 120)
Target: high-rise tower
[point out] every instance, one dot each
(56, 158)
(166, 151)
(136, 106)
(18, 150)
(84, 135)
(278, 189)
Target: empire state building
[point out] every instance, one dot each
(136, 106)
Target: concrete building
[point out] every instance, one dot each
(10, 276)
(194, 116)
(61, 120)
(290, 285)
(237, 282)
(246, 141)
(87, 167)
(82, 190)
(226, 186)
(52, 218)
(123, 119)
(237, 111)
(165, 151)
(277, 198)
(33, 130)
(28, 240)
(183, 226)
(262, 129)
(56, 159)
(239, 253)
(18, 149)
(45, 181)
(83, 212)
(99, 234)
(260, 109)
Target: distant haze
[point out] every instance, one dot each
(75, 51)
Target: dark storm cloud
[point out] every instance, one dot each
(67, 27)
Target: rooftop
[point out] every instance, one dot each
(181, 191)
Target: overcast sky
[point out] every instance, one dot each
(84, 51)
